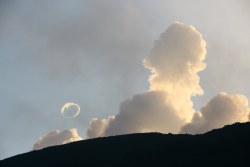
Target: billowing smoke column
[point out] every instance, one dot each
(175, 60)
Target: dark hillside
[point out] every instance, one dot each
(228, 146)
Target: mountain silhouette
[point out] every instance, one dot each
(228, 146)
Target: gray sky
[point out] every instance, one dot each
(91, 52)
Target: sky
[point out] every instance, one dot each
(101, 54)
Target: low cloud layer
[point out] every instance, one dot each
(222, 110)
(57, 138)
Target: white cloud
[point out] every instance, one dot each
(57, 138)
(98, 127)
(175, 60)
(222, 110)
(146, 112)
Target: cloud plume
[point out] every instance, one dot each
(57, 138)
(175, 60)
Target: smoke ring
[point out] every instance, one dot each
(69, 105)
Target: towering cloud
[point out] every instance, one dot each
(57, 138)
(175, 60)
(222, 110)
